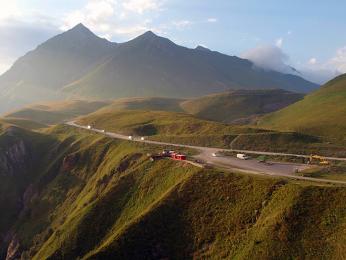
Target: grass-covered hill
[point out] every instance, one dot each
(96, 198)
(322, 112)
(148, 103)
(54, 112)
(168, 126)
(239, 105)
(186, 129)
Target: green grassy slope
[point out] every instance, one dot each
(186, 129)
(321, 113)
(168, 126)
(55, 112)
(98, 198)
(239, 104)
(150, 103)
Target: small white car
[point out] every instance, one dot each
(102, 131)
(142, 138)
(242, 156)
(130, 137)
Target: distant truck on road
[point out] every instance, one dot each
(243, 156)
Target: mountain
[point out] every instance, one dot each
(322, 112)
(69, 194)
(40, 74)
(150, 65)
(239, 106)
(78, 64)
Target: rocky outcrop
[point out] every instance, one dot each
(13, 158)
(13, 250)
(69, 162)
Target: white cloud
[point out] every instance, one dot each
(94, 14)
(312, 61)
(269, 57)
(273, 58)
(109, 18)
(339, 60)
(9, 9)
(182, 24)
(212, 20)
(279, 42)
(321, 72)
(141, 6)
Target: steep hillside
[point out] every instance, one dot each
(22, 158)
(103, 199)
(240, 105)
(78, 63)
(151, 65)
(322, 112)
(55, 112)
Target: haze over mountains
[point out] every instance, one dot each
(79, 64)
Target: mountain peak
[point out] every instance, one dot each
(149, 35)
(151, 39)
(75, 38)
(80, 27)
(202, 48)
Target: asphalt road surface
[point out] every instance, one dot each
(251, 166)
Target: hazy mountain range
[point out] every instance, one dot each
(77, 63)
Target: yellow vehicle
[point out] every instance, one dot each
(321, 159)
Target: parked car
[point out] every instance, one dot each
(243, 156)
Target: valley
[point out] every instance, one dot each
(137, 147)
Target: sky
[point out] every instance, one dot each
(275, 34)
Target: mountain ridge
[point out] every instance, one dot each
(79, 64)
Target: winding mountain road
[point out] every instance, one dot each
(279, 169)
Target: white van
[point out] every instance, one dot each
(243, 156)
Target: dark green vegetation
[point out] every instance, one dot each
(321, 113)
(53, 112)
(239, 106)
(80, 64)
(90, 197)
